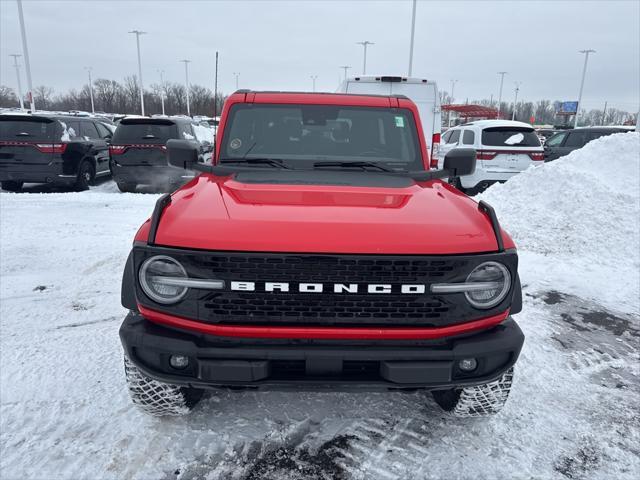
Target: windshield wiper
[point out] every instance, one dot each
(362, 165)
(274, 162)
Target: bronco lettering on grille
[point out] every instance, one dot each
(369, 288)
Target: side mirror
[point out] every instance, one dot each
(460, 162)
(182, 153)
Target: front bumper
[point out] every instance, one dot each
(307, 365)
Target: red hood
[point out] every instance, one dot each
(214, 213)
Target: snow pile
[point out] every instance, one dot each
(203, 134)
(584, 208)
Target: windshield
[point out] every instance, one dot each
(144, 132)
(304, 136)
(27, 129)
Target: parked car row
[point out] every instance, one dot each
(73, 151)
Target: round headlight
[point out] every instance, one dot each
(160, 279)
(493, 280)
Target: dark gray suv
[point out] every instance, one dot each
(565, 142)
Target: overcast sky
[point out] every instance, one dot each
(279, 45)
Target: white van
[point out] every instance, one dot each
(504, 148)
(423, 92)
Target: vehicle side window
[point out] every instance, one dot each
(185, 131)
(556, 140)
(445, 137)
(455, 136)
(576, 139)
(468, 137)
(88, 131)
(102, 130)
(594, 135)
(73, 129)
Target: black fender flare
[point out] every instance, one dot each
(516, 299)
(128, 290)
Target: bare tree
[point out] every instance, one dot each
(42, 96)
(7, 97)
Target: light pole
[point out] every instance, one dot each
(515, 101)
(93, 109)
(138, 33)
(27, 64)
(15, 64)
(453, 85)
(237, 75)
(313, 79)
(584, 72)
(413, 31)
(345, 68)
(502, 74)
(186, 79)
(161, 72)
(364, 62)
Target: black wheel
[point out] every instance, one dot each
(477, 401)
(86, 175)
(157, 398)
(12, 186)
(126, 187)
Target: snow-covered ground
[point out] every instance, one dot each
(574, 411)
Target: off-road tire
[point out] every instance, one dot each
(157, 398)
(11, 186)
(127, 187)
(478, 401)
(86, 175)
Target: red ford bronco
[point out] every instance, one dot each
(320, 252)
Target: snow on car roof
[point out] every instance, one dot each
(497, 123)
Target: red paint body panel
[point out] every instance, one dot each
(219, 213)
(323, 333)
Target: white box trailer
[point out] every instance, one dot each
(423, 92)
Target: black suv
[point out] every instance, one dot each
(139, 154)
(53, 149)
(563, 143)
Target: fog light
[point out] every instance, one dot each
(179, 361)
(468, 364)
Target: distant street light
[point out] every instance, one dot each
(453, 86)
(93, 109)
(137, 34)
(161, 72)
(237, 75)
(345, 68)
(502, 74)
(515, 101)
(15, 64)
(186, 79)
(364, 62)
(413, 31)
(313, 79)
(27, 64)
(584, 72)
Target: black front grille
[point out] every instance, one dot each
(278, 308)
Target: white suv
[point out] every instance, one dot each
(504, 148)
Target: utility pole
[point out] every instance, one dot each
(138, 33)
(313, 79)
(93, 109)
(515, 101)
(584, 72)
(15, 64)
(345, 68)
(161, 72)
(491, 101)
(604, 112)
(186, 79)
(453, 85)
(413, 32)
(25, 51)
(237, 75)
(364, 62)
(502, 74)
